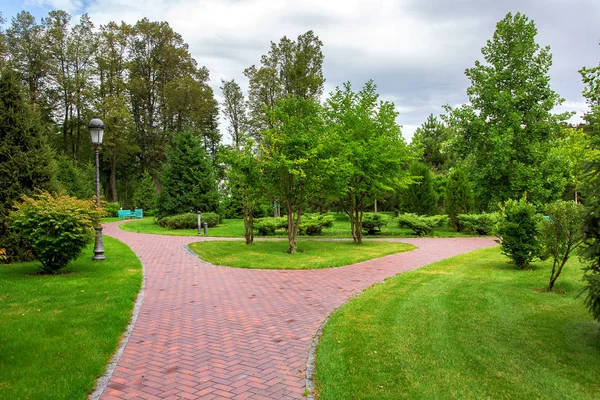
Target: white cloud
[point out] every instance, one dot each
(70, 6)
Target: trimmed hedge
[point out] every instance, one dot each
(482, 224)
(373, 222)
(421, 225)
(310, 224)
(189, 221)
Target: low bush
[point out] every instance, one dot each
(212, 219)
(421, 225)
(111, 209)
(56, 228)
(517, 228)
(266, 226)
(189, 220)
(373, 222)
(481, 224)
(180, 221)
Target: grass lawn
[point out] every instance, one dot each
(59, 332)
(310, 255)
(235, 228)
(470, 327)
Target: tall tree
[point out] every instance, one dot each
(459, 197)
(234, 110)
(507, 128)
(373, 154)
(419, 197)
(291, 68)
(295, 158)
(187, 178)
(246, 183)
(26, 160)
(431, 138)
(3, 48)
(591, 251)
(28, 55)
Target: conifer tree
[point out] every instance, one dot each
(419, 197)
(459, 197)
(26, 161)
(188, 182)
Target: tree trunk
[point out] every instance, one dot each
(248, 224)
(113, 176)
(358, 226)
(292, 227)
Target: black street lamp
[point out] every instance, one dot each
(96, 128)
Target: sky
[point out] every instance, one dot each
(416, 51)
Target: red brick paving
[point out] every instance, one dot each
(207, 332)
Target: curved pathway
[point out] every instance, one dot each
(207, 332)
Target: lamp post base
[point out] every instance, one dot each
(99, 246)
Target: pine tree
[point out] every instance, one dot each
(188, 182)
(419, 197)
(144, 196)
(26, 161)
(459, 197)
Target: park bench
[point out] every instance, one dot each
(124, 214)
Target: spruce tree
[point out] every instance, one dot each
(459, 197)
(419, 197)
(26, 160)
(188, 182)
(144, 196)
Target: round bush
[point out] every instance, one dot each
(56, 228)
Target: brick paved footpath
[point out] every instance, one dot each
(207, 332)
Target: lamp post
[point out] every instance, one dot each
(96, 128)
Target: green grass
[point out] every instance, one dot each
(310, 255)
(235, 228)
(470, 327)
(59, 331)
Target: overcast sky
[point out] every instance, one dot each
(416, 51)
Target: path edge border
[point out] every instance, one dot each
(102, 381)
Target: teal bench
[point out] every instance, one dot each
(123, 214)
(138, 213)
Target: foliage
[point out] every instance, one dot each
(482, 224)
(431, 139)
(313, 224)
(290, 69)
(459, 198)
(234, 111)
(518, 230)
(189, 221)
(145, 196)
(267, 226)
(296, 160)
(373, 153)
(77, 181)
(591, 224)
(187, 179)
(562, 234)
(421, 225)
(245, 182)
(57, 228)
(111, 209)
(506, 130)
(212, 219)
(419, 197)
(26, 163)
(373, 222)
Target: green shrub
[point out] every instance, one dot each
(111, 209)
(212, 219)
(180, 221)
(56, 229)
(562, 233)
(421, 225)
(459, 198)
(482, 224)
(517, 228)
(373, 222)
(266, 226)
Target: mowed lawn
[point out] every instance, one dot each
(59, 332)
(235, 228)
(470, 327)
(310, 254)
